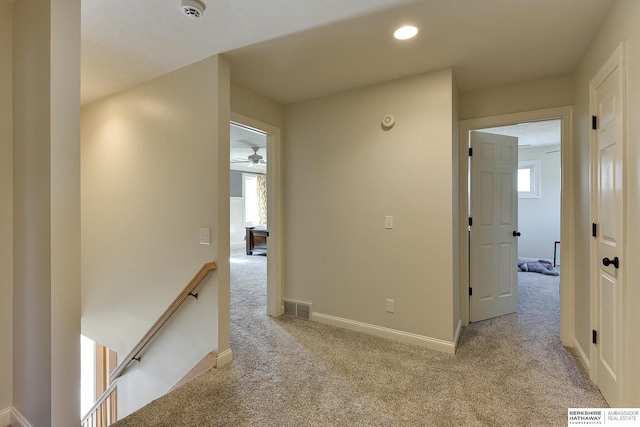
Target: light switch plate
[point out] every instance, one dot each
(388, 222)
(205, 236)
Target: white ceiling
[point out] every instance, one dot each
(531, 134)
(293, 50)
(126, 42)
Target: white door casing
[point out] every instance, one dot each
(494, 213)
(607, 287)
(274, 208)
(567, 288)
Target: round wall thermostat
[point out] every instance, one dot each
(388, 121)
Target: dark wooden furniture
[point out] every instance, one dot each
(256, 238)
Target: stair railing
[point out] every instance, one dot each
(103, 412)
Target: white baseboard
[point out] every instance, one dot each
(456, 335)
(224, 358)
(5, 417)
(392, 334)
(16, 419)
(582, 356)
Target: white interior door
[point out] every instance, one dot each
(607, 105)
(493, 234)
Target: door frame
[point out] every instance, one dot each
(565, 114)
(274, 211)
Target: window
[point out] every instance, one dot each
(250, 192)
(529, 179)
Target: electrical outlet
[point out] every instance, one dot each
(205, 236)
(390, 305)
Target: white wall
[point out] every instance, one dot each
(528, 96)
(256, 106)
(46, 211)
(343, 175)
(236, 229)
(155, 170)
(6, 209)
(539, 219)
(621, 24)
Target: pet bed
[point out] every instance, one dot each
(540, 266)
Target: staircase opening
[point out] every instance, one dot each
(96, 363)
(87, 374)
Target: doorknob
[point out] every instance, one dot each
(615, 261)
(516, 234)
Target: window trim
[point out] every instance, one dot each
(535, 184)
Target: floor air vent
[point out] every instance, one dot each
(297, 309)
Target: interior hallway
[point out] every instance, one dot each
(510, 370)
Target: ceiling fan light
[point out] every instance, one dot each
(255, 157)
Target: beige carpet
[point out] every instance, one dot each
(508, 371)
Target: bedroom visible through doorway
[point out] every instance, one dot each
(539, 201)
(258, 144)
(566, 248)
(515, 170)
(248, 232)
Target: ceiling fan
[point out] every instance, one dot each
(252, 159)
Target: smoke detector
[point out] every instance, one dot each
(193, 8)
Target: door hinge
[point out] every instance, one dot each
(470, 151)
(594, 336)
(470, 221)
(594, 230)
(470, 291)
(594, 122)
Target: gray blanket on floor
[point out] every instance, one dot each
(540, 266)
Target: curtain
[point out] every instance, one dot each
(262, 199)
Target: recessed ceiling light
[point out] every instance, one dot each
(406, 32)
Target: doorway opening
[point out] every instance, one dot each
(255, 225)
(538, 201)
(248, 213)
(563, 117)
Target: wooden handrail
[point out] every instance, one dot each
(193, 284)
